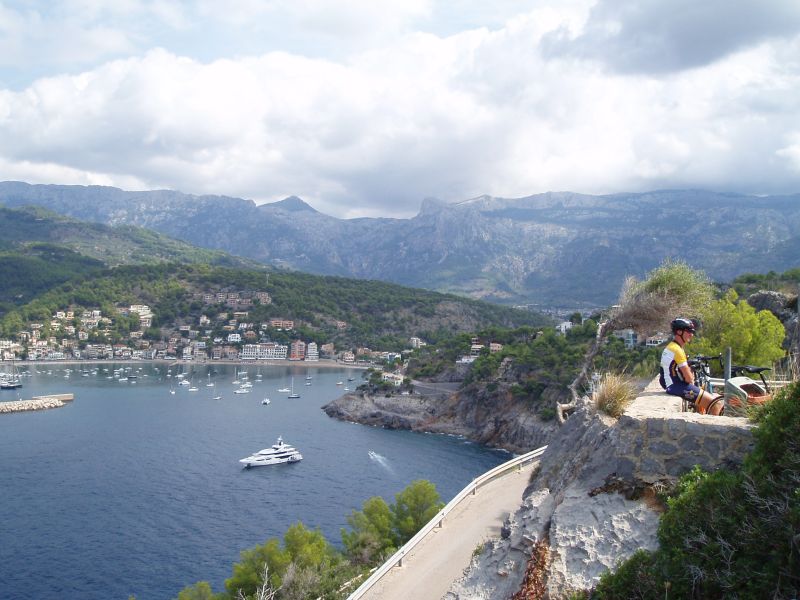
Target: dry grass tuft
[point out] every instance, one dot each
(614, 393)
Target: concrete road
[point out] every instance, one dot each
(438, 560)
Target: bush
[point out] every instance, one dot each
(614, 393)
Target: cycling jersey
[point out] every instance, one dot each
(672, 359)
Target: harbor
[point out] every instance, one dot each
(36, 403)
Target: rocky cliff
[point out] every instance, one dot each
(507, 423)
(593, 501)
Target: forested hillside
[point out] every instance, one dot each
(119, 245)
(377, 315)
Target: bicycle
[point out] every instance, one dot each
(701, 369)
(738, 370)
(742, 391)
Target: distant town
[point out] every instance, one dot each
(128, 334)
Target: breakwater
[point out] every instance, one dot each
(36, 403)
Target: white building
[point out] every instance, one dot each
(312, 352)
(393, 378)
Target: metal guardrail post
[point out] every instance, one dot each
(727, 364)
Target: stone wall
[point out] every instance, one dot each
(657, 440)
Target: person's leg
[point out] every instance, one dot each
(702, 401)
(710, 404)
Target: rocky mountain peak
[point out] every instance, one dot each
(292, 204)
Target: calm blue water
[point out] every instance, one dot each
(132, 490)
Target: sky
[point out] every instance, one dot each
(366, 107)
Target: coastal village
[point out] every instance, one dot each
(230, 335)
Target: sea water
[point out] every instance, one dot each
(132, 489)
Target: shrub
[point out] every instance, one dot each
(614, 393)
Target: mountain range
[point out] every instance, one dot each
(561, 248)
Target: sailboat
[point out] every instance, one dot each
(10, 381)
(293, 394)
(215, 396)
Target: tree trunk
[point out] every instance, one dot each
(564, 410)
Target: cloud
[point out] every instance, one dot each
(652, 36)
(485, 110)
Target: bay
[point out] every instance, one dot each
(133, 490)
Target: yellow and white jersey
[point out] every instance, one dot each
(672, 359)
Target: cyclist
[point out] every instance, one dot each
(677, 378)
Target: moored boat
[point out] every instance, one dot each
(279, 452)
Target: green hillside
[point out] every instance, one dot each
(118, 245)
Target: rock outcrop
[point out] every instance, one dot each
(785, 307)
(593, 501)
(503, 422)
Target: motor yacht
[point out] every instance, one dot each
(280, 452)
(265, 401)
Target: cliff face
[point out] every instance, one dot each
(592, 503)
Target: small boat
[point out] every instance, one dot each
(284, 390)
(242, 391)
(340, 383)
(171, 390)
(279, 452)
(308, 377)
(193, 389)
(292, 393)
(265, 401)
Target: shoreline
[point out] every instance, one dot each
(323, 362)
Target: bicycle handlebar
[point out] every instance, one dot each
(749, 369)
(707, 359)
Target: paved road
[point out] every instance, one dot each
(428, 388)
(437, 561)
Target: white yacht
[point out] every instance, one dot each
(280, 452)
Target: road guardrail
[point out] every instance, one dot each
(396, 559)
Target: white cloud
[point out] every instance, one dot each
(486, 110)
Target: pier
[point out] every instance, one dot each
(36, 403)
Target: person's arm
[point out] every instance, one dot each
(688, 376)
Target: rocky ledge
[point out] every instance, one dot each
(593, 502)
(507, 423)
(390, 412)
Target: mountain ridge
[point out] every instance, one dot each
(556, 248)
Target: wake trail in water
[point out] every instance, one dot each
(381, 460)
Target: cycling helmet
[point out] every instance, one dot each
(681, 324)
